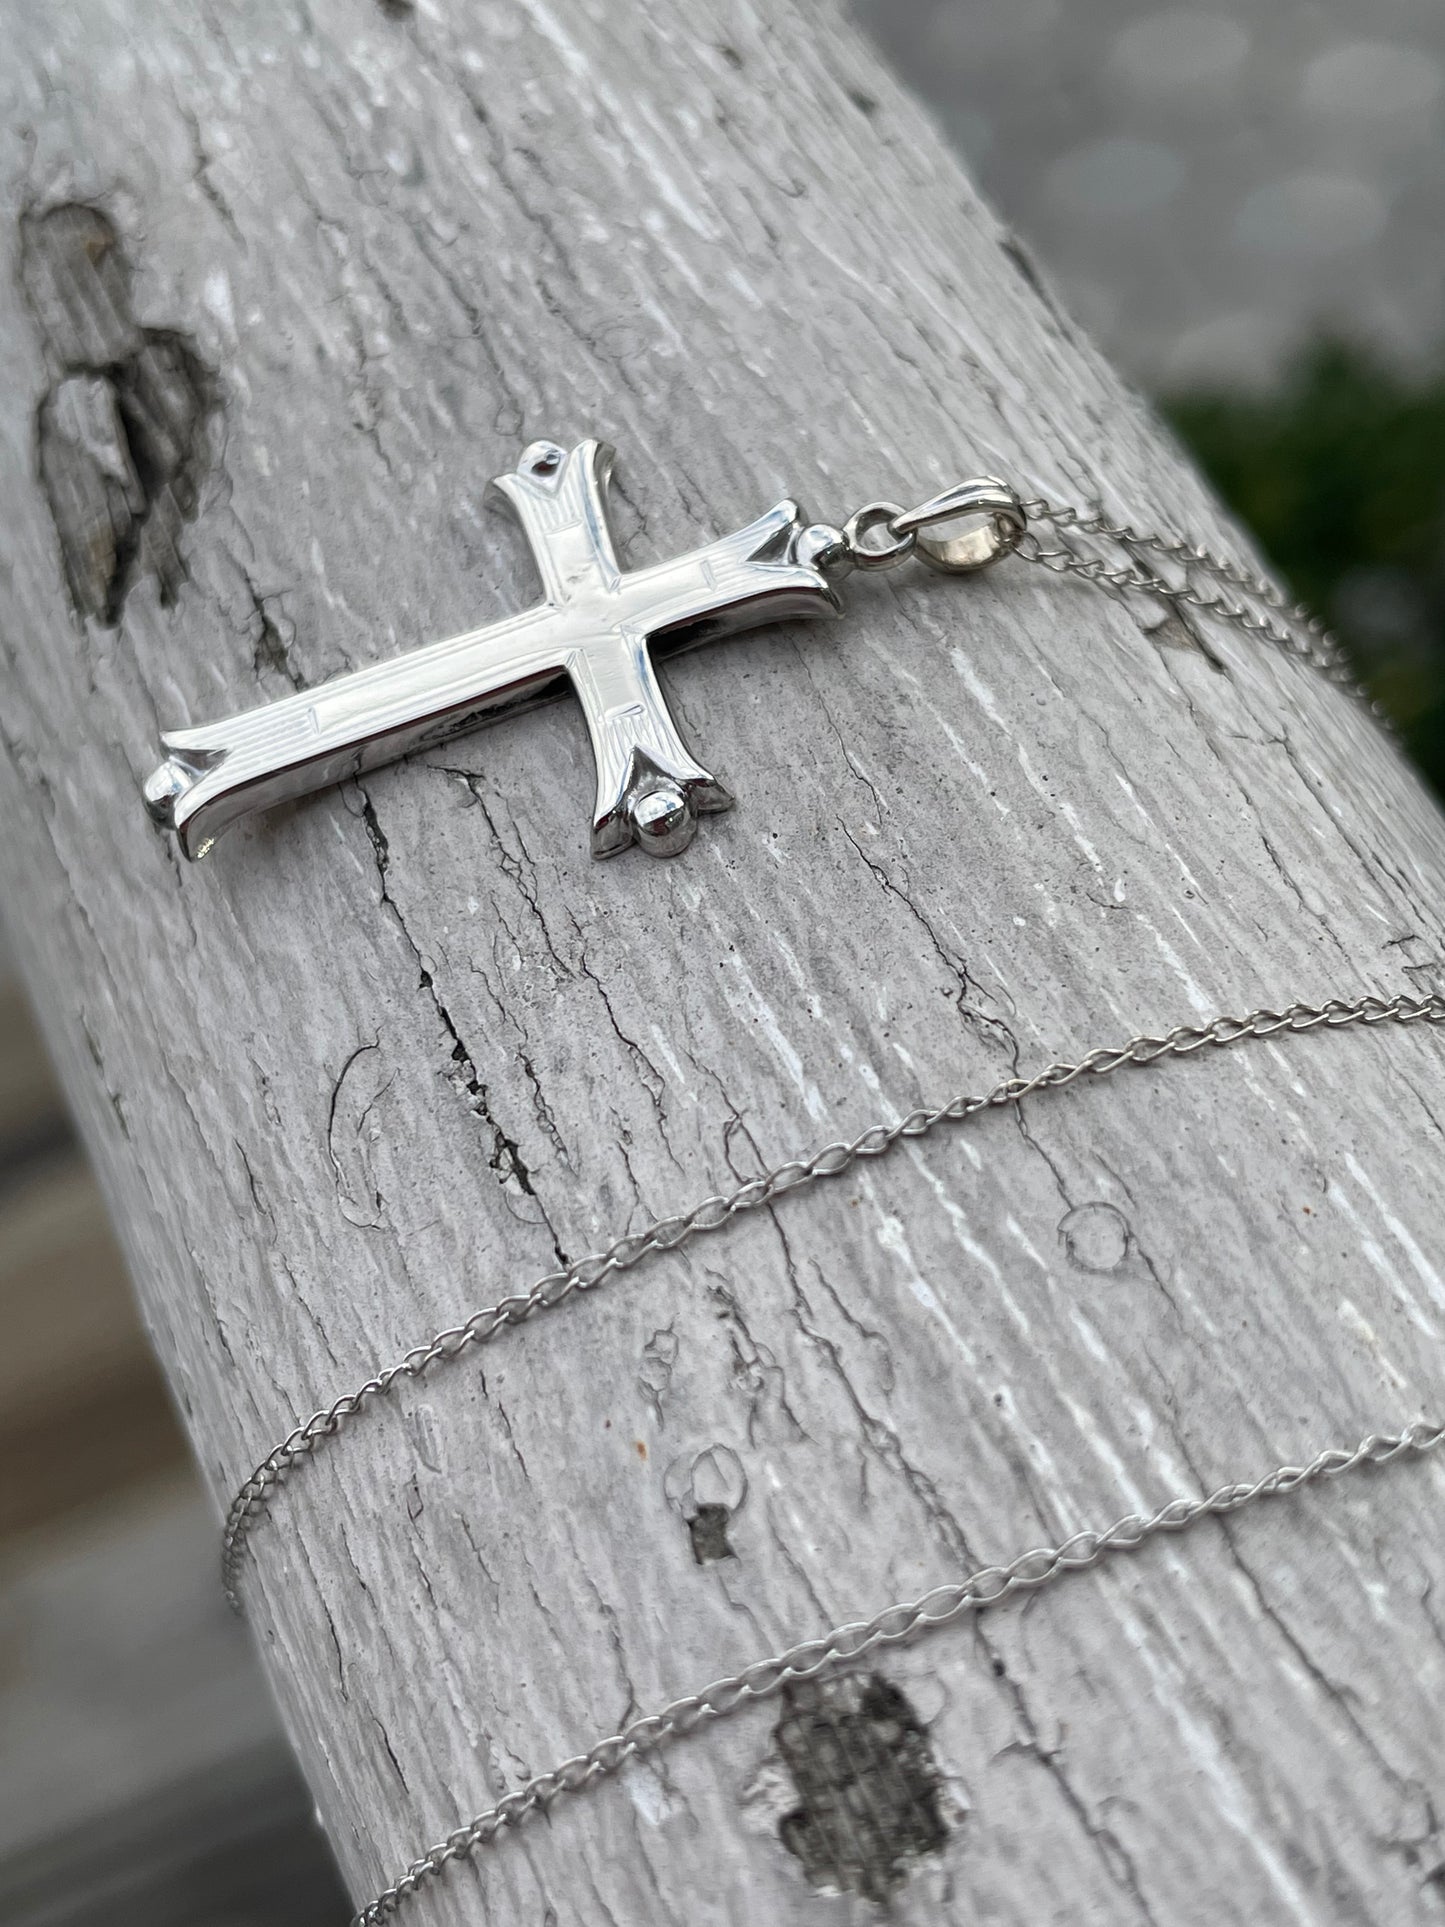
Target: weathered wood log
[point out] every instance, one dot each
(283, 287)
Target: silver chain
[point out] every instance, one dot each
(895, 1624)
(1291, 626)
(712, 1213)
(991, 520)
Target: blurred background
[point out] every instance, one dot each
(1242, 202)
(143, 1780)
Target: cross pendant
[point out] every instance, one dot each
(595, 627)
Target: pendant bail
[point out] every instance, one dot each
(994, 525)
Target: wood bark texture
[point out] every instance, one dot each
(283, 286)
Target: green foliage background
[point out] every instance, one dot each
(1341, 475)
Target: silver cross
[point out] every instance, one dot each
(595, 627)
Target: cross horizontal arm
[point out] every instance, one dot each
(220, 771)
(752, 575)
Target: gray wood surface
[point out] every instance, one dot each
(327, 268)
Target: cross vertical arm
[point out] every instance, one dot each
(560, 498)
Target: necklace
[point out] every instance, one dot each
(599, 626)
(596, 628)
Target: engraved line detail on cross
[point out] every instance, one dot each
(595, 627)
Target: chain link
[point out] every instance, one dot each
(1029, 1572)
(1274, 618)
(712, 1213)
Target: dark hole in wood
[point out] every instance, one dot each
(120, 434)
(708, 1530)
(868, 1788)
